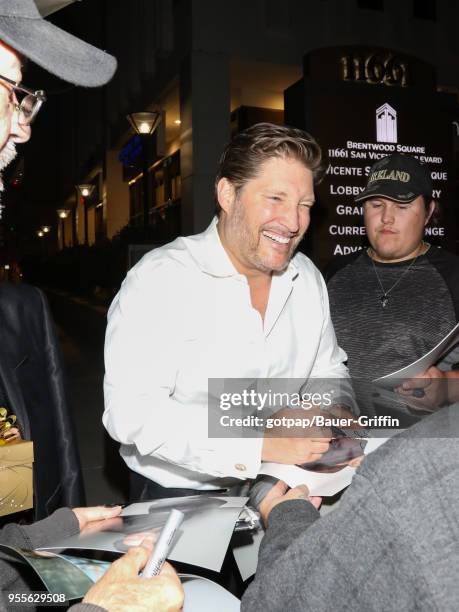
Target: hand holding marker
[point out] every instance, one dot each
(164, 544)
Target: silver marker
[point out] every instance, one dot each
(163, 546)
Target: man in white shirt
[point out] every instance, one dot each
(232, 302)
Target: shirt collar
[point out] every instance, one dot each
(210, 255)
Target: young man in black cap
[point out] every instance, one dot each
(394, 301)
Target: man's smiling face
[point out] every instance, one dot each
(267, 218)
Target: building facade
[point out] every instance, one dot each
(211, 68)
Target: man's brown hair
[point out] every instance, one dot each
(248, 150)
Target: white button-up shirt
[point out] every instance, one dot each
(184, 315)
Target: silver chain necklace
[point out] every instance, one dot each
(384, 298)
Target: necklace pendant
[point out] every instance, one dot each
(384, 299)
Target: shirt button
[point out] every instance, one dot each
(240, 467)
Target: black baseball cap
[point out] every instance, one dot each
(398, 177)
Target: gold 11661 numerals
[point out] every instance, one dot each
(374, 69)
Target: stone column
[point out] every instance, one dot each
(205, 129)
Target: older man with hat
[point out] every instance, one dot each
(30, 370)
(31, 378)
(394, 301)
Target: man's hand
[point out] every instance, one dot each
(294, 451)
(97, 518)
(279, 494)
(295, 445)
(430, 389)
(122, 590)
(10, 434)
(340, 412)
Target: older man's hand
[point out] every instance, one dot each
(122, 590)
(97, 518)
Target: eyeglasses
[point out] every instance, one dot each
(31, 102)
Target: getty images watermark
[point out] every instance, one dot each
(287, 407)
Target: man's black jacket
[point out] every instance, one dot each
(33, 380)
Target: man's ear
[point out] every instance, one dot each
(432, 208)
(226, 194)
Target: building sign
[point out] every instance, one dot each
(131, 151)
(375, 105)
(382, 67)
